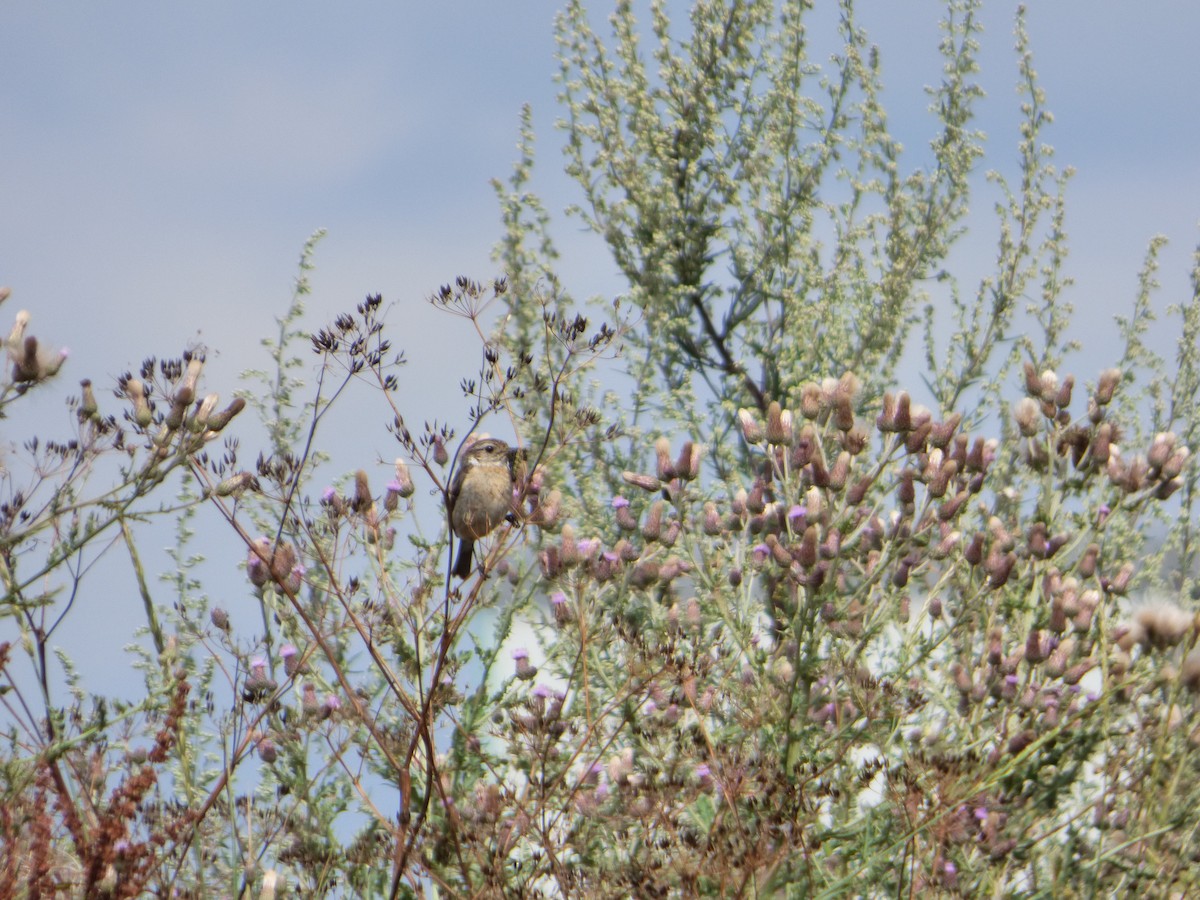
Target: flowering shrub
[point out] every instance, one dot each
(760, 624)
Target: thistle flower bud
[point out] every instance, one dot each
(779, 553)
(568, 551)
(918, 436)
(671, 533)
(1165, 489)
(136, 393)
(756, 499)
(808, 551)
(645, 482)
(806, 448)
(813, 504)
(995, 647)
(752, 431)
(886, 420)
(948, 542)
(1189, 672)
(191, 377)
(545, 516)
(1173, 467)
(1035, 647)
(219, 618)
(403, 484)
(712, 519)
(549, 562)
(560, 608)
(362, 493)
(904, 412)
(1025, 413)
(234, 484)
(258, 684)
(858, 490)
(974, 550)
(1120, 583)
(88, 408)
(291, 660)
(217, 421)
(652, 527)
(266, 750)
(525, 670)
(1062, 399)
(662, 451)
(818, 473)
(779, 425)
(1033, 383)
(258, 563)
(25, 367)
(295, 579)
(1160, 449)
(1075, 674)
(626, 520)
(999, 568)
(810, 400)
(962, 678)
(441, 456)
(942, 433)
(1109, 379)
(310, 704)
(1048, 386)
(687, 466)
(644, 574)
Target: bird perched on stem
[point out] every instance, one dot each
(481, 496)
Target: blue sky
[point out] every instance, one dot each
(161, 164)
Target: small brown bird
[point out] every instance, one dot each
(481, 496)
